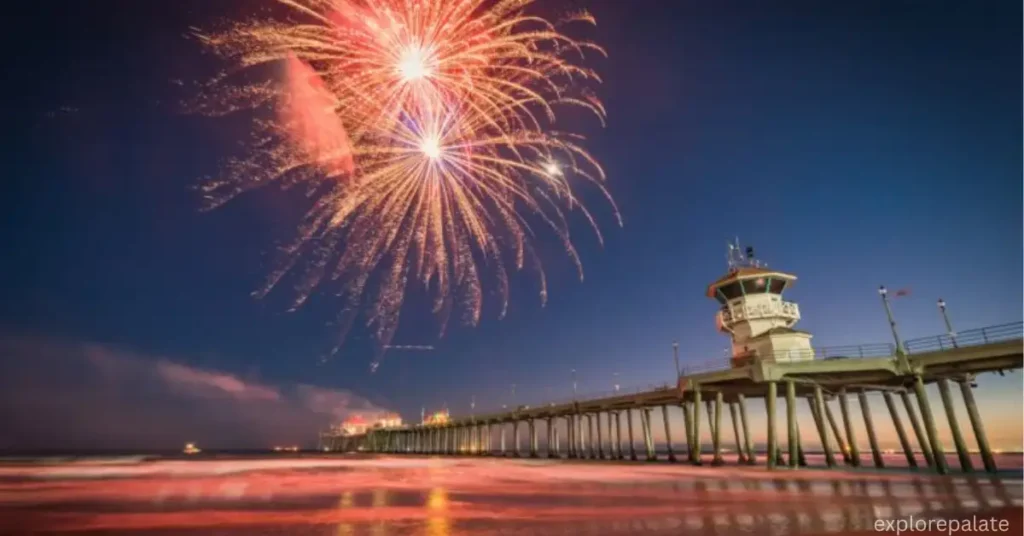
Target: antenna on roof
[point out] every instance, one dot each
(731, 254)
(739, 257)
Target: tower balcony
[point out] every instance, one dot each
(774, 309)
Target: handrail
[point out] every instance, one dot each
(971, 337)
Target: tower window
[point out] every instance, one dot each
(730, 291)
(776, 286)
(755, 286)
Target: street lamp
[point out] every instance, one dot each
(675, 354)
(472, 406)
(574, 384)
(884, 293)
(945, 318)
(616, 376)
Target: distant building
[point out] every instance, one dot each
(389, 420)
(354, 425)
(440, 417)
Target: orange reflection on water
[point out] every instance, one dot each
(438, 523)
(346, 501)
(380, 500)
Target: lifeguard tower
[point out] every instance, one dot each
(754, 314)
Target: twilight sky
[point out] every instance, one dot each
(852, 143)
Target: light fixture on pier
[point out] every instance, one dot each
(945, 319)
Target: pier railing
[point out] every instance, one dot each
(971, 337)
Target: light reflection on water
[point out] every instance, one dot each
(717, 506)
(482, 497)
(437, 504)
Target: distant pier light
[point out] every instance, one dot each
(754, 314)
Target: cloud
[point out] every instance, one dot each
(67, 396)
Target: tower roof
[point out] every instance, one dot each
(741, 273)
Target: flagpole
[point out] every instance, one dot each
(883, 292)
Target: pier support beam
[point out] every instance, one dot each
(695, 451)
(976, 424)
(929, 425)
(533, 438)
(611, 436)
(954, 427)
(591, 444)
(581, 446)
(711, 416)
(741, 454)
(668, 433)
(515, 438)
(817, 410)
(648, 436)
(851, 438)
(629, 429)
(570, 437)
(915, 424)
(773, 444)
(551, 438)
(584, 439)
(716, 431)
(618, 436)
(687, 430)
(793, 437)
(748, 445)
(869, 425)
(901, 433)
(600, 436)
(844, 448)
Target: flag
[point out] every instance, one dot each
(901, 293)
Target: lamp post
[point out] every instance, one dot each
(574, 384)
(949, 325)
(616, 376)
(884, 293)
(472, 407)
(675, 355)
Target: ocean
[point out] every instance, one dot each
(253, 494)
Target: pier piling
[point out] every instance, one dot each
(668, 433)
(979, 429)
(716, 430)
(954, 427)
(770, 410)
(695, 456)
(929, 425)
(851, 437)
(869, 425)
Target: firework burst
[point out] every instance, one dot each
(423, 130)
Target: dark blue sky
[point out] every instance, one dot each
(853, 143)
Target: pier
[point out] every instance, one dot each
(771, 364)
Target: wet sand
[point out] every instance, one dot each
(357, 495)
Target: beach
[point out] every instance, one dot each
(381, 495)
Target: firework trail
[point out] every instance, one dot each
(423, 132)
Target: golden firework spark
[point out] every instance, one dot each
(423, 129)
